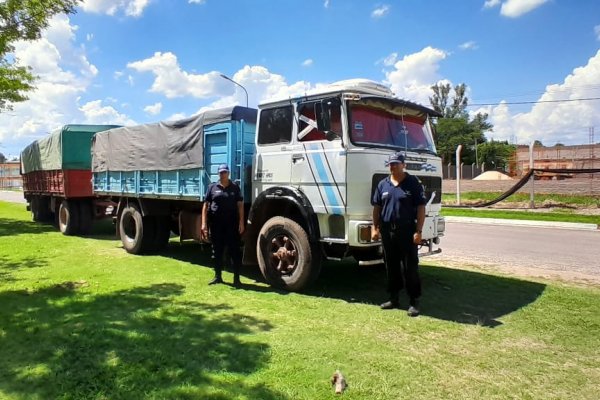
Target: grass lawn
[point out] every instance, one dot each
(524, 215)
(82, 319)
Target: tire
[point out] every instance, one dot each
(285, 256)
(68, 217)
(162, 233)
(136, 232)
(34, 204)
(45, 214)
(86, 217)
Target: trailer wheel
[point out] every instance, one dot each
(162, 234)
(285, 255)
(35, 209)
(86, 217)
(68, 217)
(136, 232)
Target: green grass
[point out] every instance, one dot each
(523, 215)
(81, 319)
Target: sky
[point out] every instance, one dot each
(532, 65)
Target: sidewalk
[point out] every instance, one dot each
(520, 222)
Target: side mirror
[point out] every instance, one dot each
(323, 115)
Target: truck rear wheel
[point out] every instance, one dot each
(285, 255)
(86, 217)
(68, 217)
(137, 232)
(163, 233)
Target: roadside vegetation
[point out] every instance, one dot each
(82, 319)
(549, 207)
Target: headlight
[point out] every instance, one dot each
(441, 225)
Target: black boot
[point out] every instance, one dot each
(392, 303)
(413, 308)
(236, 280)
(216, 279)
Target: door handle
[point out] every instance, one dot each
(297, 157)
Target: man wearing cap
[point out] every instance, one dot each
(223, 210)
(398, 217)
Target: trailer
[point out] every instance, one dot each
(157, 174)
(57, 179)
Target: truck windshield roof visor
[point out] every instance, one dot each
(390, 123)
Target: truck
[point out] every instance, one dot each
(307, 167)
(57, 179)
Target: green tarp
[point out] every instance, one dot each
(66, 148)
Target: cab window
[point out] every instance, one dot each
(275, 125)
(307, 126)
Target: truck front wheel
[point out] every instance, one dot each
(68, 217)
(285, 255)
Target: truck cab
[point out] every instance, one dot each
(318, 160)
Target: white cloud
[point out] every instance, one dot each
(131, 8)
(514, 8)
(153, 109)
(173, 82)
(413, 75)
(326, 4)
(597, 32)
(491, 3)
(308, 62)
(64, 74)
(381, 11)
(470, 45)
(197, 1)
(388, 61)
(94, 112)
(565, 122)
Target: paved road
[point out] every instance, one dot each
(12, 196)
(572, 255)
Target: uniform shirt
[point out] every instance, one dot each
(223, 202)
(399, 203)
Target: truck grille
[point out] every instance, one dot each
(430, 183)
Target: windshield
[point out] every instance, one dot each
(385, 123)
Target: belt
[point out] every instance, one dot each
(399, 225)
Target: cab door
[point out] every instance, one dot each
(318, 164)
(274, 149)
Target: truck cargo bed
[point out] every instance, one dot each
(63, 183)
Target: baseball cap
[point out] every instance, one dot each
(223, 168)
(396, 158)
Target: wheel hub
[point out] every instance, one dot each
(283, 254)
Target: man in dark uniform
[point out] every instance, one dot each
(398, 217)
(223, 210)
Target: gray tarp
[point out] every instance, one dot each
(160, 146)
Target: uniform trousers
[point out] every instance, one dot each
(401, 259)
(226, 235)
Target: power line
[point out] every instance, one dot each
(534, 102)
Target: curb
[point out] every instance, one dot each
(520, 222)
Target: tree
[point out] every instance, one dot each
(440, 99)
(456, 128)
(496, 155)
(23, 20)
(2, 158)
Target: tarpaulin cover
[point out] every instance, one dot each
(161, 146)
(64, 148)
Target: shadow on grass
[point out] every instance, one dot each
(462, 296)
(8, 265)
(13, 227)
(133, 344)
(201, 255)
